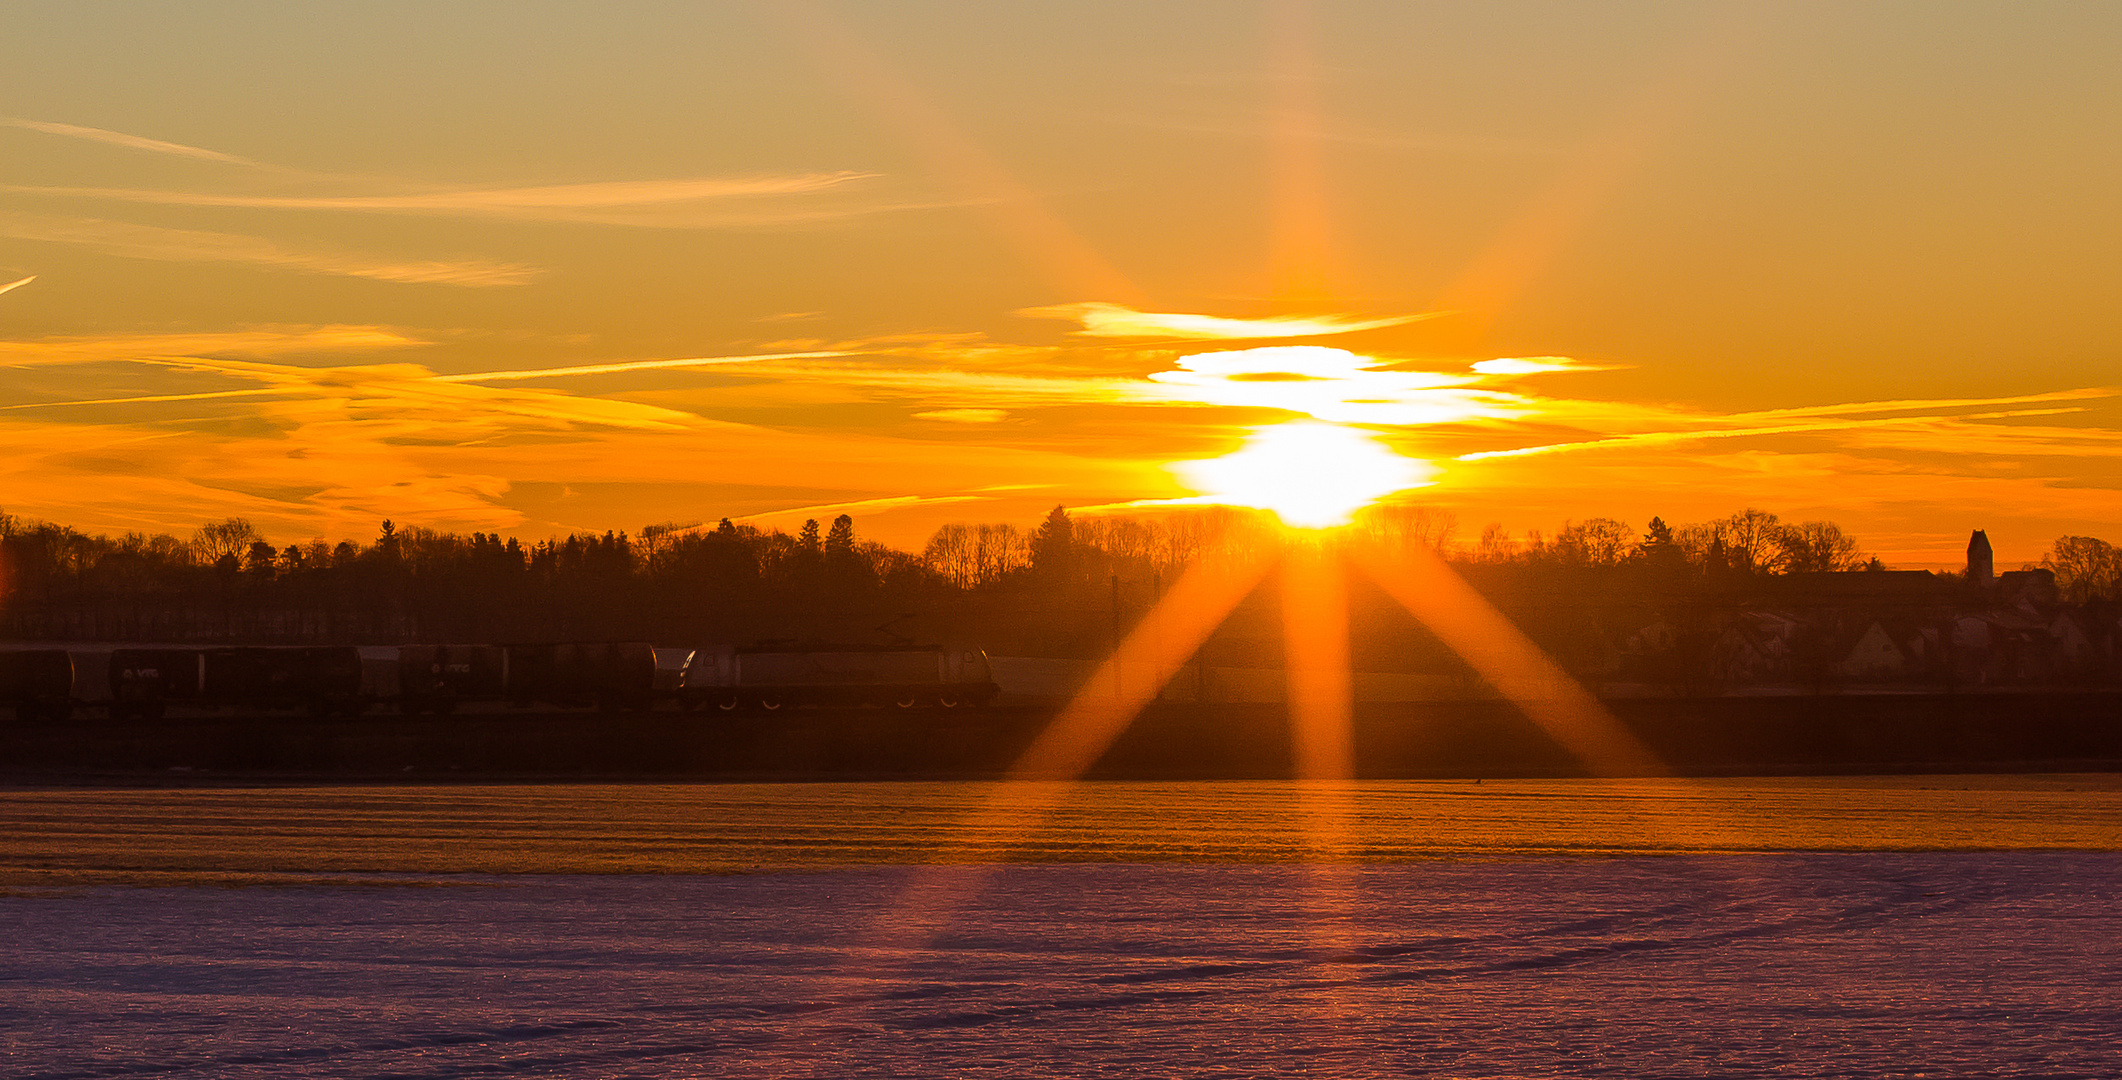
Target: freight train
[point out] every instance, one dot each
(144, 683)
(776, 676)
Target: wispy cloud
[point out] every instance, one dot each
(1331, 384)
(1532, 365)
(628, 365)
(1965, 433)
(684, 202)
(949, 385)
(1923, 404)
(863, 506)
(119, 138)
(13, 285)
(140, 399)
(257, 341)
(394, 440)
(133, 241)
(1103, 320)
(964, 416)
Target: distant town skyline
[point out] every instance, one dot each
(537, 269)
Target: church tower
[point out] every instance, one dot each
(1981, 561)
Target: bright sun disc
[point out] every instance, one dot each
(1312, 475)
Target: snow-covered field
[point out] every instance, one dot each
(1848, 964)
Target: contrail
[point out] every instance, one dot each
(262, 391)
(1652, 437)
(879, 505)
(1923, 403)
(256, 370)
(13, 285)
(119, 138)
(628, 365)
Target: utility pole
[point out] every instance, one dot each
(1156, 641)
(1116, 637)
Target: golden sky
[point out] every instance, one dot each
(535, 267)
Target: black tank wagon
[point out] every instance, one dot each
(438, 678)
(771, 677)
(321, 680)
(146, 682)
(38, 683)
(605, 674)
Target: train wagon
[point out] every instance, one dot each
(38, 683)
(604, 674)
(146, 682)
(438, 678)
(319, 679)
(777, 676)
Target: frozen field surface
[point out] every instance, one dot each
(1851, 964)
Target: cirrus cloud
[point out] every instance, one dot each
(1103, 320)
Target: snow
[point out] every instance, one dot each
(1875, 964)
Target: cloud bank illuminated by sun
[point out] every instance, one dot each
(1331, 384)
(1312, 475)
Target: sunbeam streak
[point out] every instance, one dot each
(1044, 775)
(1165, 639)
(1322, 740)
(1315, 644)
(1508, 660)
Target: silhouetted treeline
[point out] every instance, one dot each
(1065, 587)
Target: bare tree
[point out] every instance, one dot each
(998, 550)
(216, 541)
(1818, 547)
(1405, 526)
(949, 553)
(1594, 542)
(2086, 568)
(655, 539)
(1752, 541)
(1495, 545)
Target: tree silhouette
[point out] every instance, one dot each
(1818, 547)
(232, 536)
(1053, 547)
(2086, 569)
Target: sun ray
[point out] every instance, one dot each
(1020, 215)
(1138, 670)
(1041, 780)
(1611, 152)
(1300, 225)
(1560, 706)
(1315, 641)
(1509, 661)
(1315, 634)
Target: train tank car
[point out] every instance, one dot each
(438, 678)
(771, 677)
(320, 679)
(38, 683)
(604, 674)
(146, 682)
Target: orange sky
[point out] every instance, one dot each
(537, 267)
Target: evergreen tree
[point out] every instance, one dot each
(840, 541)
(1054, 545)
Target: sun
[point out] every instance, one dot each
(1312, 475)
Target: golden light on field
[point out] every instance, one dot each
(1311, 475)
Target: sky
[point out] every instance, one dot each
(537, 267)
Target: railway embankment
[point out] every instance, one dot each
(1169, 740)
